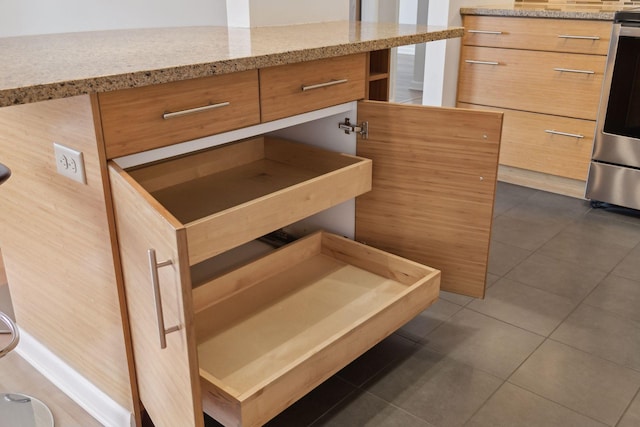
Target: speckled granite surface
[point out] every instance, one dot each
(37, 68)
(598, 12)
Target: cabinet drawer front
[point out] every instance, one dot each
(140, 119)
(558, 35)
(528, 80)
(298, 88)
(550, 144)
(345, 297)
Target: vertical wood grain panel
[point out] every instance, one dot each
(168, 378)
(55, 239)
(434, 178)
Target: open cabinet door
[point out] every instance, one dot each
(168, 385)
(434, 182)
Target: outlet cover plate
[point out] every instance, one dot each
(70, 163)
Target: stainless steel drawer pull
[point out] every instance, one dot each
(325, 84)
(473, 61)
(194, 110)
(569, 70)
(572, 135)
(484, 32)
(569, 36)
(155, 282)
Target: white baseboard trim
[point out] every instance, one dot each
(93, 400)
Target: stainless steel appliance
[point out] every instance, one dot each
(614, 174)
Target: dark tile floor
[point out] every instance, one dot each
(556, 341)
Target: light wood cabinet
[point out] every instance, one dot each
(248, 338)
(306, 86)
(546, 76)
(149, 117)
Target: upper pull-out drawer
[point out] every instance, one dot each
(229, 195)
(298, 88)
(557, 35)
(139, 119)
(527, 80)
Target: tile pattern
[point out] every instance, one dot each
(556, 341)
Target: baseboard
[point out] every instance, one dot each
(542, 181)
(93, 400)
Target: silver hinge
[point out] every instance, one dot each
(362, 128)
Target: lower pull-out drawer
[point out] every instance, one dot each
(271, 331)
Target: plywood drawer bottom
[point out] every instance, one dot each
(554, 145)
(273, 330)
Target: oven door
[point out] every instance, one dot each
(617, 138)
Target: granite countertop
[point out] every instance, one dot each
(37, 68)
(546, 10)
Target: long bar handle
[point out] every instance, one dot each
(572, 135)
(325, 84)
(155, 282)
(13, 330)
(473, 61)
(181, 113)
(569, 70)
(570, 36)
(497, 33)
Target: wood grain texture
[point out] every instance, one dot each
(167, 378)
(526, 145)
(281, 93)
(55, 241)
(538, 34)
(286, 332)
(526, 80)
(542, 181)
(132, 118)
(434, 177)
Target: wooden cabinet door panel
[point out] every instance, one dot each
(168, 379)
(434, 179)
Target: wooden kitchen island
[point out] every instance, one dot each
(194, 144)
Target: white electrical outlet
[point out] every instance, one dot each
(69, 163)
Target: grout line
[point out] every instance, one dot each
(636, 396)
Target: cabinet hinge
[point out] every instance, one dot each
(362, 128)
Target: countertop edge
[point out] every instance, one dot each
(538, 13)
(65, 89)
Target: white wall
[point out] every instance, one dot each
(408, 9)
(284, 12)
(26, 17)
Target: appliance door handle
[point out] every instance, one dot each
(556, 132)
(473, 61)
(155, 282)
(570, 70)
(497, 33)
(570, 36)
